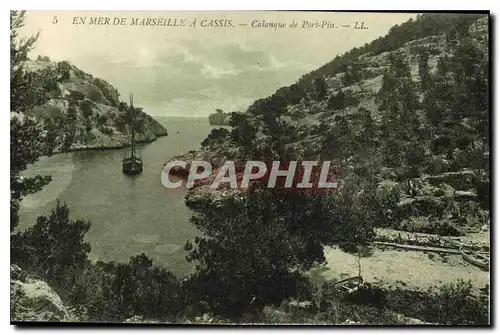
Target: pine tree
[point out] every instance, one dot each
(423, 69)
(27, 142)
(399, 104)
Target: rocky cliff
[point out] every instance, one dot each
(87, 109)
(345, 112)
(34, 300)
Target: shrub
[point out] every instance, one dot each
(54, 249)
(453, 303)
(438, 192)
(342, 100)
(102, 119)
(53, 245)
(106, 130)
(251, 245)
(86, 107)
(215, 136)
(368, 295)
(246, 255)
(111, 291)
(75, 97)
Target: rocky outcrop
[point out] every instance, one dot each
(89, 110)
(35, 300)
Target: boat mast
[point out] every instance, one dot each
(132, 123)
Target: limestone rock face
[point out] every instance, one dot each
(35, 300)
(89, 110)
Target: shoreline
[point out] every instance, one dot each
(106, 148)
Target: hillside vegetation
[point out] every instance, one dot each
(219, 118)
(80, 111)
(407, 114)
(406, 121)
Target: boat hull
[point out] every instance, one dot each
(132, 167)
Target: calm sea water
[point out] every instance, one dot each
(129, 215)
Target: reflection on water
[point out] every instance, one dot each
(129, 215)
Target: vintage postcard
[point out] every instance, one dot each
(250, 167)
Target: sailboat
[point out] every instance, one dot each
(132, 162)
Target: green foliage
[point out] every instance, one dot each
(372, 305)
(352, 74)
(108, 91)
(320, 88)
(455, 303)
(342, 100)
(251, 246)
(404, 144)
(483, 193)
(247, 254)
(76, 97)
(215, 137)
(122, 106)
(24, 143)
(102, 119)
(383, 205)
(28, 140)
(63, 69)
(18, 55)
(28, 88)
(338, 139)
(425, 25)
(128, 118)
(112, 292)
(25, 148)
(86, 107)
(54, 244)
(55, 250)
(423, 69)
(243, 130)
(33, 88)
(456, 104)
(106, 130)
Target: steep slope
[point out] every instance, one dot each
(86, 110)
(408, 112)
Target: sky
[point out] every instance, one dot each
(192, 70)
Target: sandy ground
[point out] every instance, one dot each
(413, 269)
